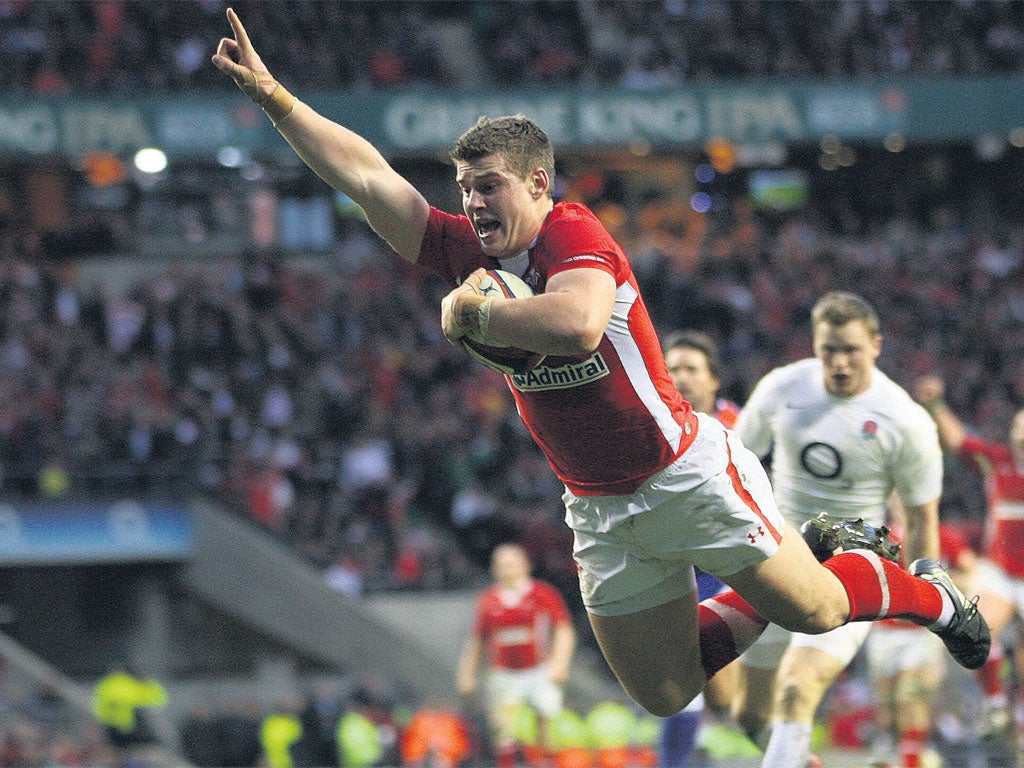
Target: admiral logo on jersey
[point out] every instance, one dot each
(562, 377)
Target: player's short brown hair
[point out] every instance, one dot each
(840, 307)
(517, 138)
(699, 341)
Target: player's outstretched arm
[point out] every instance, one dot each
(922, 531)
(563, 646)
(469, 665)
(930, 392)
(343, 159)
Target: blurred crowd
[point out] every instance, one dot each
(131, 46)
(39, 728)
(343, 423)
(338, 722)
(344, 722)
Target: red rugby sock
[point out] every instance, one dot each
(728, 625)
(878, 588)
(913, 743)
(990, 676)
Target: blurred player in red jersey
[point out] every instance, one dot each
(906, 664)
(651, 488)
(696, 369)
(1000, 576)
(525, 638)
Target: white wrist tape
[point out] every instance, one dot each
(483, 318)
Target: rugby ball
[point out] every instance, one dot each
(507, 360)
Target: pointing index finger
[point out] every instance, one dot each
(240, 34)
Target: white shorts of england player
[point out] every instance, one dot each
(533, 686)
(989, 577)
(891, 650)
(841, 644)
(712, 507)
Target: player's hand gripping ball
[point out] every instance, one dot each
(507, 360)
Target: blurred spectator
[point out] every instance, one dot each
(435, 737)
(345, 575)
(121, 702)
(359, 741)
(319, 717)
(282, 737)
(124, 47)
(39, 728)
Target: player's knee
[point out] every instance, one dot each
(665, 702)
(823, 618)
(816, 625)
(912, 690)
(662, 706)
(792, 699)
(663, 689)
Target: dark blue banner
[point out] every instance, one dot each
(125, 531)
(422, 122)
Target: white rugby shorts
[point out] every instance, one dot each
(713, 508)
(892, 650)
(841, 644)
(533, 686)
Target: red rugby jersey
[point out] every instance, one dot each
(1004, 486)
(516, 628)
(726, 411)
(608, 420)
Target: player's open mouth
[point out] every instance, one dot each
(484, 228)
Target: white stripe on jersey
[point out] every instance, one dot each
(744, 629)
(633, 365)
(1008, 510)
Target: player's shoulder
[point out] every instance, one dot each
(449, 247)
(572, 212)
(573, 237)
(539, 585)
(897, 403)
(802, 374)
(572, 225)
(450, 224)
(489, 594)
(889, 403)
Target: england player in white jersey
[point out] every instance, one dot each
(842, 437)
